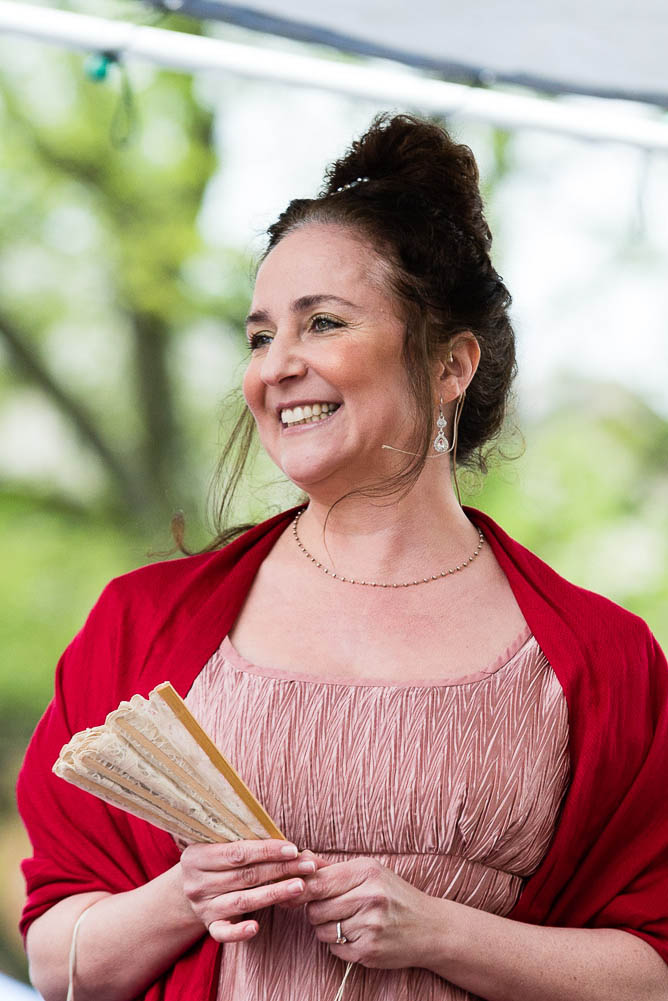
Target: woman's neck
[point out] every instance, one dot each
(419, 534)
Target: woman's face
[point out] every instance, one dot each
(326, 382)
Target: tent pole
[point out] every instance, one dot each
(584, 118)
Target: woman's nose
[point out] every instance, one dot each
(282, 360)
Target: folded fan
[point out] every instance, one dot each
(152, 759)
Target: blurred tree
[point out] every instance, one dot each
(590, 494)
(97, 278)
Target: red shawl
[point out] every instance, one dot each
(607, 865)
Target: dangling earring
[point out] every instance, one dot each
(441, 443)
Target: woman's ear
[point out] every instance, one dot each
(457, 364)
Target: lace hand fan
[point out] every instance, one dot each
(152, 759)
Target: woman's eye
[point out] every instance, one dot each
(319, 323)
(259, 340)
(326, 319)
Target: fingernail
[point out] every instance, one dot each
(306, 867)
(289, 851)
(296, 886)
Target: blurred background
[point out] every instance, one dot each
(133, 203)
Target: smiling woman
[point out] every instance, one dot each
(407, 237)
(348, 361)
(465, 751)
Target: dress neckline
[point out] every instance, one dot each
(525, 639)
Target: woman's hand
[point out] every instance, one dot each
(223, 882)
(384, 918)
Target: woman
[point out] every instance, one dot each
(465, 751)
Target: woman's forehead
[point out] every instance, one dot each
(319, 259)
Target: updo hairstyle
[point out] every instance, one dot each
(419, 207)
(421, 210)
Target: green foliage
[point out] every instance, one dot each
(101, 265)
(590, 496)
(106, 285)
(60, 558)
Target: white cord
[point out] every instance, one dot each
(73, 961)
(339, 993)
(73, 952)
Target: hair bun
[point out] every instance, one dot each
(415, 159)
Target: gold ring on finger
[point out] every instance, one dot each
(340, 937)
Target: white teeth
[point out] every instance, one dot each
(307, 414)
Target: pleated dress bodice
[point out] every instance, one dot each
(455, 786)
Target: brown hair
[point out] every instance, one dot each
(412, 193)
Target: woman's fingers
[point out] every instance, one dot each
(329, 931)
(208, 875)
(212, 884)
(228, 908)
(235, 854)
(223, 882)
(381, 916)
(230, 931)
(337, 879)
(240, 902)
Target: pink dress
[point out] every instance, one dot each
(454, 786)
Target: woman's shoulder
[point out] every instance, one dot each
(163, 595)
(152, 582)
(141, 616)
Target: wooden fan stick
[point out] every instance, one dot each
(178, 707)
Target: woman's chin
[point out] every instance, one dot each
(315, 473)
(309, 479)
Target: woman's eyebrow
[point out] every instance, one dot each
(299, 305)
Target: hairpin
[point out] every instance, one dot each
(351, 184)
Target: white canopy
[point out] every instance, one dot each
(609, 48)
(636, 124)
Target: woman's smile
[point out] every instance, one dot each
(307, 416)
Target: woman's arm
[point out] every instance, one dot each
(390, 924)
(127, 940)
(124, 943)
(500, 959)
